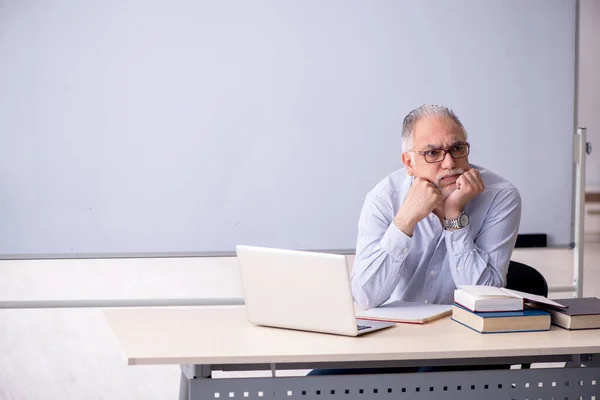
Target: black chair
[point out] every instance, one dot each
(524, 278)
(527, 279)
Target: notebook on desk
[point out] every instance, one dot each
(406, 312)
(300, 290)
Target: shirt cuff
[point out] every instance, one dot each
(458, 242)
(396, 243)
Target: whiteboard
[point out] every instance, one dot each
(193, 126)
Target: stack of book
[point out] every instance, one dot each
(489, 309)
(582, 313)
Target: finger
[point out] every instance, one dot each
(424, 181)
(462, 182)
(430, 190)
(470, 180)
(472, 173)
(477, 181)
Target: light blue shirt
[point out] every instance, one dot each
(426, 267)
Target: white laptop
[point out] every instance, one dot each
(300, 290)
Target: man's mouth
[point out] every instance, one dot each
(448, 180)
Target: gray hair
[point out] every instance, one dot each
(425, 111)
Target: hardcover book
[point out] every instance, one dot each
(527, 320)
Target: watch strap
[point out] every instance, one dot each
(453, 223)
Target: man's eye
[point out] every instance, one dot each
(433, 153)
(459, 149)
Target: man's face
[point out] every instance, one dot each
(434, 134)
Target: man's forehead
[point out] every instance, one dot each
(433, 132)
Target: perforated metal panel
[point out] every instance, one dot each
(534, 384)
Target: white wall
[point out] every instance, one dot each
(589, 86)
(191, 126)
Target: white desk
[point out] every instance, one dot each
(220, 338)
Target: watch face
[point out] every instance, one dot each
(464, 220)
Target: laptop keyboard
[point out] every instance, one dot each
(362, 327)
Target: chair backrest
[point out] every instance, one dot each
(524, 278)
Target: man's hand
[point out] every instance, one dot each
(468, 185)
(421, 199)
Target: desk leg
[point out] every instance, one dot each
(184, 387)
(189, 372)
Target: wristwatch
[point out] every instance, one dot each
(460, 222)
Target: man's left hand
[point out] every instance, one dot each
(468, 185)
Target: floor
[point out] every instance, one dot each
(70, 353)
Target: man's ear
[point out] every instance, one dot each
(408, 162)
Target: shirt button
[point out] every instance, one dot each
(426, 301)
(459, 268)
(405, 250)
(432, 273)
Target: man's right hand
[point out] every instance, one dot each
(421, 199)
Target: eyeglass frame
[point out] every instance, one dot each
(446, 151)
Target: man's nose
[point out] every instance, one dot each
(448, 162)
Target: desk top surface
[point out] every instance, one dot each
(222, 335)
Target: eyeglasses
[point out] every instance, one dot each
(460, 150)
